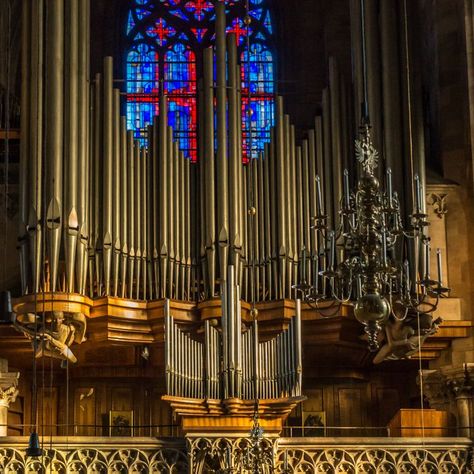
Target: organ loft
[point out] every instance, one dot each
(236, 236)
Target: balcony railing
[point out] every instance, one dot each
(364, 455)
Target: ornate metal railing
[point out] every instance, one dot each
(100, 455)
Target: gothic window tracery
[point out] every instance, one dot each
(165, 43)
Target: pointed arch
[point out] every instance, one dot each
(165, 43)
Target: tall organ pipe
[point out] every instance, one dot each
(116, 209)
(124, 204)
(71, 115)
(234, 158)
(26, 147)
(209, 170)
(107, 199)
(155, 209)
(138, 158)
(163, 206)
(54, 113)
(281, 197)
(171, 208)
(222, 184)
(98, 171)
(131, 210)
(84, 147)
(144, 223)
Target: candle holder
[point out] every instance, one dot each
(369, 258)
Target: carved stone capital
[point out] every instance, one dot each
(452, 389)
(460, 380)
(436, 389)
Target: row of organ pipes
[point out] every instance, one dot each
(103, 214)
(231, 361)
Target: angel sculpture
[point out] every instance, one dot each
(53, 333)
(403, 339)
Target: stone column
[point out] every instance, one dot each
(8, 393)
(452, 389)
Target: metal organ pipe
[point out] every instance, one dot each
(222, 172)
(26, 148)
(116, 209)
(71, 142)
(138, 158)
(84, 147)
(54, 116)
(163, 207)
(107, 196)
(124, 204)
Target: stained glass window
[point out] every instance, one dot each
(165, 43)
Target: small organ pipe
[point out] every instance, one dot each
(298, 343)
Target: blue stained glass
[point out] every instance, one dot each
(257, 13)
(258, 75)
(179, 30)
(130, 23)
(142, 85)
(180, 84)
(268, 22)
(179, 14)
(161, 32)
(199, 8)
(142, 13)
(199, 33)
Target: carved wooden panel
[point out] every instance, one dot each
(48, 411)
(388, 403)
(16, 417)
(350, 410)
(161, 416)
(84, 411)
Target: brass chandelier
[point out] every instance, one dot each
(369, 234)
(370, 257)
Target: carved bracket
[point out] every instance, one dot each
(439, 203)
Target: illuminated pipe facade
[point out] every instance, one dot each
(104, 214)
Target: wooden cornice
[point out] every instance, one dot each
(118, 321)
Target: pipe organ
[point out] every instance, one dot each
(231, 362)
(105, 215)
(120, 217)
